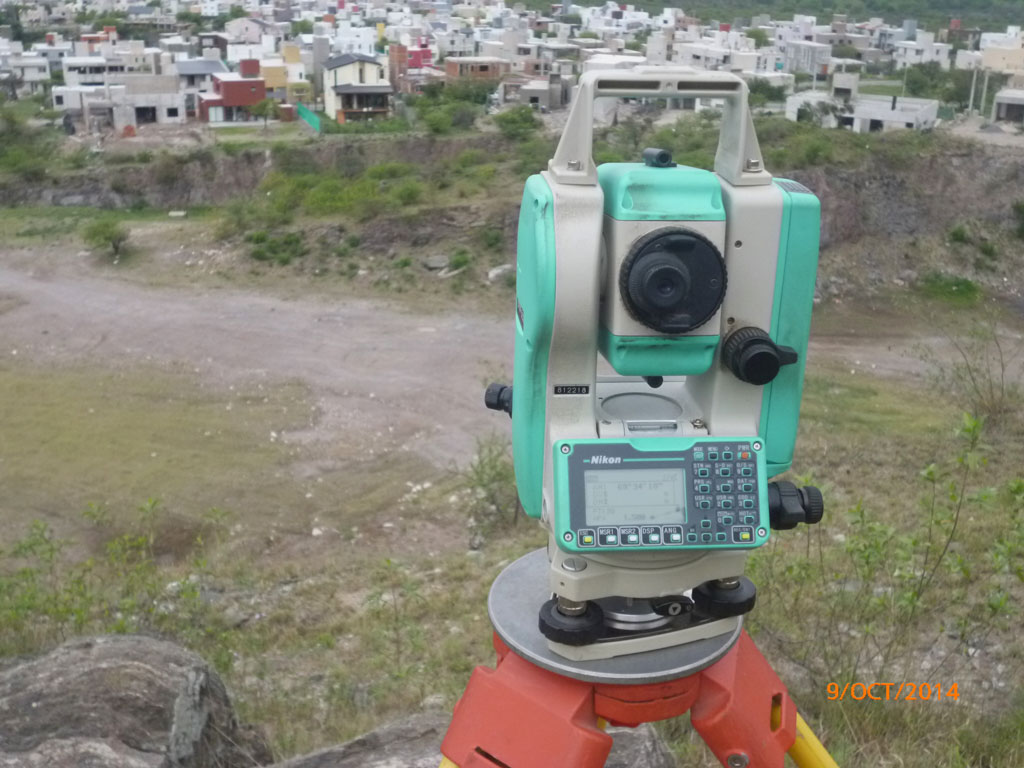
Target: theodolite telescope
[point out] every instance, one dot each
(693, 291)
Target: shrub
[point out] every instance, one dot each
(438, 121)
(392, 170)
(469, 157)
(958, 234)
(460, 259)
(490, 478)
(463, 115)
(983, 376)
(517, 123)
(491, 238)
(408, 192)
(106, 233)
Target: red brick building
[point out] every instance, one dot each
(232, 96)
(476, 67)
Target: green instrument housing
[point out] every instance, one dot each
(633, 191)
(535, 317)
(795, 278)
(638, 192)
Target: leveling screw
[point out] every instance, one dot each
(738, 760)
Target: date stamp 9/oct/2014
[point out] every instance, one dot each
(892, 692)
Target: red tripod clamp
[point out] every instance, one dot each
(519, 715)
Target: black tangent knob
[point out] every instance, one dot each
(498, 397)
(753, 357)
(789, 505)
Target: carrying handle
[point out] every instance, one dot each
(738, 159)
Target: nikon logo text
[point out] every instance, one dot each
(606, 460)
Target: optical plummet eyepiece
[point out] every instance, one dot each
(789, 505)
(753, 357)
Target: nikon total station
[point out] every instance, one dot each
(693, 290)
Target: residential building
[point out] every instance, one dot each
(233, 94)
(1008, 57)
(355, 87)
(195, 77)
(137, 99)
(807, 57)
(27, 74)
(923, 50)
(1009, 105)
(476, 68)
(845, 107)
(54, 49)
(251, 30)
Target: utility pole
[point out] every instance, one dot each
(970, 102)
(984, 94)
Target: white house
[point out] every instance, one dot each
(355, 87)
(807, 57)
(922, 51)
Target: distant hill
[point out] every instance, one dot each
(989, 14)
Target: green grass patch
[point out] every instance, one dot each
(960, 291)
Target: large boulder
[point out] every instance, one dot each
(416, 741)
(121, 701)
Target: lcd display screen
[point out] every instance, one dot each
(634, 496)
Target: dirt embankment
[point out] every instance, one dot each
(211, 176)
(883, 223)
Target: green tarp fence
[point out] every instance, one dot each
(311, 117)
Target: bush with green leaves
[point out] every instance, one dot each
(409, 192)
(517, 123)
(883, 595)
(107, 233)
(490, 479)
(281, 249)
(46, 596)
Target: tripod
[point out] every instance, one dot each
(538, 710)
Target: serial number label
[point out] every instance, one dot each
(572, 389)
(892, 691)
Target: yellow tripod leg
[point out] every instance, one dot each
(446, 763)
(807, 751)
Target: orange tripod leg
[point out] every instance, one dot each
(744, 712)
(523, 716)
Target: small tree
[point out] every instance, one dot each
(266, 109)
(107, 233)
(759, 36)
(517, 123)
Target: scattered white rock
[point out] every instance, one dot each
(318, 532)
(494, 274)
(177, 214)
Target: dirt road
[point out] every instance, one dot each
(374, 369)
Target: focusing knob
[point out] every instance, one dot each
(753, 357)
(789, 505)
